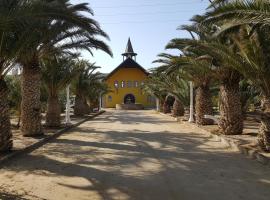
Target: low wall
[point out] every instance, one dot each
(129, 107)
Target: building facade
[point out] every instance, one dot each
(126, 83)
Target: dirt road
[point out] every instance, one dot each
(134, 155)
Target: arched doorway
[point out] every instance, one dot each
(129, 99)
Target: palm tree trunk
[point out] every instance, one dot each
(31, 106)
(53, 115)
(203, 105)
(264, 131)
(231, 119)
(166, 106)
(178, 108)
(80, 107)
(5, 127)
(87, 107)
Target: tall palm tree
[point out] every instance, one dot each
(253, 44)
(231, 119)
(194, 67)
(9, 47)
(233, 13)
(60, 26)
(57, 73)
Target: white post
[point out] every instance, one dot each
(67, 119)
(100, 102)
(191, 113)
(157, 104)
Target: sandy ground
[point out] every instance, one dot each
(134, 155)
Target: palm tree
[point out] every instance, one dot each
(60, 26)
(196, 69)
(170, 85)
(253, 45)
(57, 73)
(151, 87)
(84, 85)
(9, 47)
(231, 119)
(229, 14)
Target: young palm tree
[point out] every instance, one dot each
(151, 87)
(194, 69)
(83, 85)
(59, 27)
(95, 91)
(57, 73)
(171, 85)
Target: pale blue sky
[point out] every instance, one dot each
(151, 24)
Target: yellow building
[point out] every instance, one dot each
(126, 83)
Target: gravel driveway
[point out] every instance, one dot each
(134, 155)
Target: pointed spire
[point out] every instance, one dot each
(129, 53)
(129, 48)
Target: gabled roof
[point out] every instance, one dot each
(127, 64)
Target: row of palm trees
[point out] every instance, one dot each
(227, 49)
(40, 35)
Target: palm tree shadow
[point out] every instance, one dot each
(6, 196)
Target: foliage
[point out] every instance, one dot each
(13, 82)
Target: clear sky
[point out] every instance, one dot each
(150, 24)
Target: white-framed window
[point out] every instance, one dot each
(129, 84)
(123, 84)
(116, 84)
(136, 84)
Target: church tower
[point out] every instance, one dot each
(126, 83)
(129, 53)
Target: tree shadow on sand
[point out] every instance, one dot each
(176, 168)
(146, 165)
